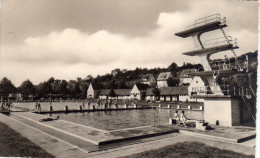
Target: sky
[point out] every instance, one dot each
(67, 39)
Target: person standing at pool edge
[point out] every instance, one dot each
(183, 118)
(39, 107)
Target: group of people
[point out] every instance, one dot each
(106, 104)
(7, 105)
(180, 119)
(37, 106)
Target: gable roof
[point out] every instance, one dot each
(106, 92)
(96, 86)
(150, 91)
(142, 86)
(122, 92)
(163, 76)
(174, 90)
(186, 72)
(147, 77)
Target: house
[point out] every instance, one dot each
(94, 90)
(106, 93)
(162, 79)
(114, 94)
(152, 93)
(122, 93)
(185, 79)
(174, 93)
(148, 79)
(139, 91)
(197, 87)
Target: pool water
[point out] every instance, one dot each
(114, 120)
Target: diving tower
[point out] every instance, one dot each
(222, 103)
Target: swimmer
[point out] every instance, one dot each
(49, 119)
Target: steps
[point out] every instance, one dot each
(202, 126)
(228, 41)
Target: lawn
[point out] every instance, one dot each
(188, 150)
(13, 144)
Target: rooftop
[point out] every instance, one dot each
(163, 76)
(174, 90)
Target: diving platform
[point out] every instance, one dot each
(202, 25)
(202, 29)
(211, 50)
(223, 104)
(221, 73)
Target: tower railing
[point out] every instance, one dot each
(222, 65)
(222, 90)
(218, 42)
(206, 20)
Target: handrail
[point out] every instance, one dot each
(223, 90)
(220, 65)
(217, 42)
(207, 19)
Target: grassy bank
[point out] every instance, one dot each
(190, 150)
(13, 144)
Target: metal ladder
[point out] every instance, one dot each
(232, 50)
(249, 107)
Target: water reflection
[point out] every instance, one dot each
(112, 120)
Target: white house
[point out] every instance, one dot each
(106, 94)
(174, 94)
(185, 79)
(148, 79)
(139, 91)
(162, 79)
(197, 87)
(114, 94)
(94, 90)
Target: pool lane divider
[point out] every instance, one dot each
(88, 110)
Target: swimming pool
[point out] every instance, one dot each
(115, 120)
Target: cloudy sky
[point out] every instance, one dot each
(66, 39)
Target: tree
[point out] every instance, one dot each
(43, 89)
(62, 88)
(173, 68)
(6, 87)
(83, 89)
(73, 89)
(26, 89)
(156, 92)
(121, 85)
(173, 82)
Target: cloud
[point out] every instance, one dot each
(72, 46)
(60, 53)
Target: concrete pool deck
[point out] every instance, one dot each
(234, 134)
(90, 134)
(62, 145)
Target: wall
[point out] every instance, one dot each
(224, 109)
(218, 109)
(135, 93)
(183, 98)
(196, 85)
(162, 84)
(102, 97)
(90, 92)
(185, 80)
(150, 98)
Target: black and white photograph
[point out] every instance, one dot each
(129, 78)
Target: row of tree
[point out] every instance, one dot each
(117, 79)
